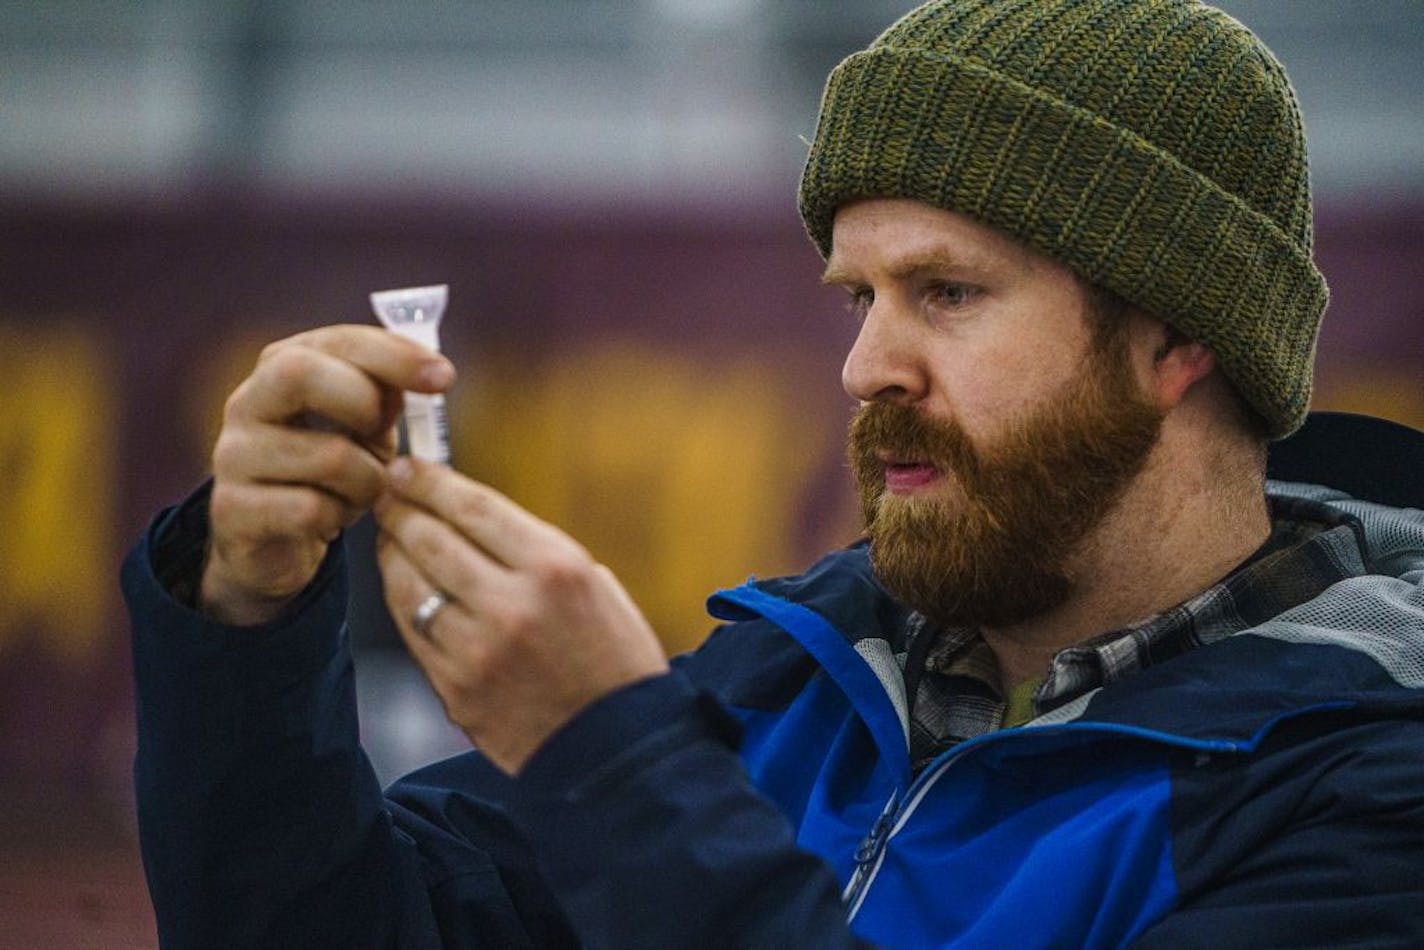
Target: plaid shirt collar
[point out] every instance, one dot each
(956, 685)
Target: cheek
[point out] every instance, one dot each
(984, 387)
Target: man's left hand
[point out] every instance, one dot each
(534, 629)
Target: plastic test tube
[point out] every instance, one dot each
(415, 312)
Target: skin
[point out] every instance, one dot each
(956, 320)
(961, 322)
(302, 453)
(536, 629)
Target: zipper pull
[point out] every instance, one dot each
(865, 857)
(872, 843)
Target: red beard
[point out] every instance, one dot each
(992, 546)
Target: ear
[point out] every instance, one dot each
(1178, 363)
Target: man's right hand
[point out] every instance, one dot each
(301, 456)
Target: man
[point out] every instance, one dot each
(1091, 681)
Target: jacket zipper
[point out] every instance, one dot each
(871, 851)
(869, 854)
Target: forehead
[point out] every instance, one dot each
(885, 232)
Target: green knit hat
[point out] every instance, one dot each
(1153, 146)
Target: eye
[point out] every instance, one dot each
(951, 294)
(860, 301)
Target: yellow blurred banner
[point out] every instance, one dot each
(57, 488)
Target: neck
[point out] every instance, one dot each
(1180, 528)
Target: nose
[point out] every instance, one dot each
(885, 363)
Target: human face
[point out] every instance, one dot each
(978, 525)
(957, 320)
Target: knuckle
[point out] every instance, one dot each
(311, 511)
(304, 339)
(223, 503)
(474, 676)
(331, 459)
(426, 546)
(364, 487)
(227, 452)
(347, 341)
(236, 399)
(473, 506)
(565, 571)
(289, 368)
(271, 350)
(510, 617)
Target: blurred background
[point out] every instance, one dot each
(647, 356)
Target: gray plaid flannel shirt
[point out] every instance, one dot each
(957, 694)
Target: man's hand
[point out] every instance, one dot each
(534, 630)
(302, 453)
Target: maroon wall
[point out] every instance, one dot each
(664, 384)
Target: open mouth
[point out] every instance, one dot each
(908, 475)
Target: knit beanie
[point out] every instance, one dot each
(1153, 146)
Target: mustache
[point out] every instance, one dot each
(881, 428)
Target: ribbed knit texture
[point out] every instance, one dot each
(1153, 146)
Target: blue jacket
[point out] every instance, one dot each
(1266, 790)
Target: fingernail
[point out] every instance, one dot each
(437, 375)
(400, 470)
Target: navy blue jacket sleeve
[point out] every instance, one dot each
(262, 823)
(651, 834)
(1319, 844)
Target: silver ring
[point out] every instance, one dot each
(424, 615)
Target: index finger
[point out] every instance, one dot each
(387, 357)
(499, 527)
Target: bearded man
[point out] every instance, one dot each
(1092, 680)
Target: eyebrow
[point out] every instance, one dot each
(932, 262)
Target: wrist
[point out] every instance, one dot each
(231, 604)
(244, 585)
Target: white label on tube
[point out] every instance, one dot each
(415, 313)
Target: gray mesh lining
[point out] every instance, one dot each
(881, 660)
